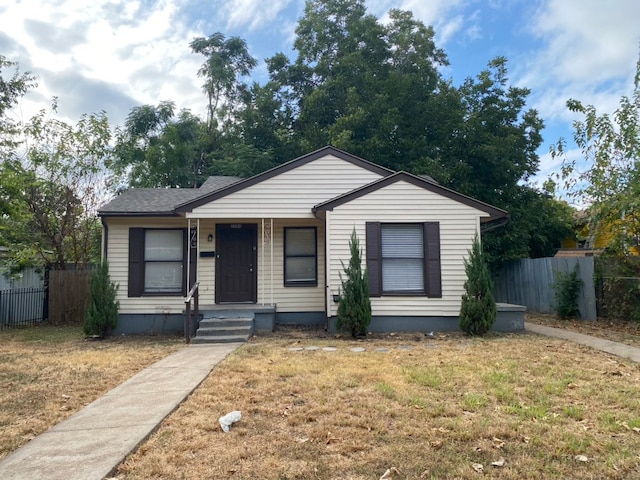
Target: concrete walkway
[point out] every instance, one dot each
(619, 349)
(95, 440)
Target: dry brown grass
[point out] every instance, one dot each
(610, 328)
(432, 411)
(48, 373)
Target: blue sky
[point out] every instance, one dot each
(114, 55)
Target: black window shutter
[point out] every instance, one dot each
(136, 262)
(374, 260)
(433, 275)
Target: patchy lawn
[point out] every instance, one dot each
(441, 407)
(48, 373)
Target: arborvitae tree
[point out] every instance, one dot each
(102, 314)
(354, 309)
(478, 311)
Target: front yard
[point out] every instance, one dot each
(446, 406)
(443, 406)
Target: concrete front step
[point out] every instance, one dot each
(221, 339)
(224, 327)
(224, 330)
(226, 322)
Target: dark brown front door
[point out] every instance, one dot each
(236, 260)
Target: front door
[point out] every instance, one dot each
(236, 260)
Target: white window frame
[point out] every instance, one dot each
(309, 281)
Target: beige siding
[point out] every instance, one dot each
(270, 272)
(287, 299)
(293, 299)
(118, 257)
(402, 202)
(290, 194)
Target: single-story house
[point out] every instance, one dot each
(275, 244)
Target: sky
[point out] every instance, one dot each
(113, 55)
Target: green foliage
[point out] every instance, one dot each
(13, 87)
(610, 183)
(51, 187)
(566, 289)
(354, 309)
(102, 315)
(226, 61)
(478, 310)
(156, 148)
(618, 286)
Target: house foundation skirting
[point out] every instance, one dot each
(510, 318)
(300, 318)
(149, 323)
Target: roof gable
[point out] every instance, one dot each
(189, 205)
(494, 212)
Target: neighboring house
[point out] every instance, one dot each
(276, 243)
(588, 239)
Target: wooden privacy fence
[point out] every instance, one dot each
(68, 296)
(529, 282)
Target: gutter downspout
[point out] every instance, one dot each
(105, 240)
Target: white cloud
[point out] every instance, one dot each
(252, 13)
(589, 52)
(111, 56)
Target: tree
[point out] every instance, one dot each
(491, 157)
(478, 310)
(354, 308)
(361, 85)
(607, 176)
(226, 62)
(54, 181)
(102, 315)
(157, 149)
(12, 88)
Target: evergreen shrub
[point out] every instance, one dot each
(102, 315)
(354, 308)
(478, 311)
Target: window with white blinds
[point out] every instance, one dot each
(402, 249)
(163, 257)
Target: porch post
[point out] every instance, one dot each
(271, 255)
(261, 286)
(267, 239)
(188, 255)
(328, 294)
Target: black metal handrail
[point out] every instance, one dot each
(192, 295)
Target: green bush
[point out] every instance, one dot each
(102, 314)
(354, 309)
(478, 310)
(566, 288)
(617, 279)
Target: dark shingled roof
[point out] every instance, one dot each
(161, 201)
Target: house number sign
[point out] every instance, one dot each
(193, 237)
(236, 225)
